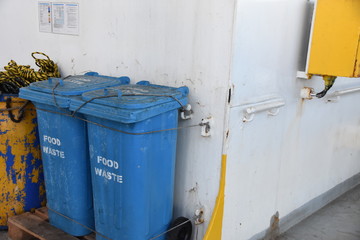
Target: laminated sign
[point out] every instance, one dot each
(57, 17)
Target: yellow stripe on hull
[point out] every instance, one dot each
(215, 227)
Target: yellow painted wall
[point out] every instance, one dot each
(335, 39)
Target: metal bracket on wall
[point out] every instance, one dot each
(206, 125)
(271, 106)
(307, 93)
(186, 112)
(199, 216)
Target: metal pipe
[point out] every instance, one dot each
(271, 106)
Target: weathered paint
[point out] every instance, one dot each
(357, 62)
(273, 162)
(280, 163)
(335, 38)
(214, 230)
(171, 43)
(21, 174)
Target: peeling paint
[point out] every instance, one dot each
(21, 174)
(35, 175)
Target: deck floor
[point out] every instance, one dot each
(3, 235)
(339, 220)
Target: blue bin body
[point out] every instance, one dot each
(132, 175)
(64, 148)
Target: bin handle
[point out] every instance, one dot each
(21, 111)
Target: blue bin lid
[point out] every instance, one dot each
(78, 84)
(56, 91)
(131, 103)
(141, 95)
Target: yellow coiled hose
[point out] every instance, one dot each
(16, 76)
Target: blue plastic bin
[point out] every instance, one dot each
(132, 172)
(64, 148)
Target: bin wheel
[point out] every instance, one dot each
(182, 232)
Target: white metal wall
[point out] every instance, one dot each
(164, 41)
(275, 163)
(278, 163)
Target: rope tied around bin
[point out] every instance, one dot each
(10, 109)
(126, 95)
(73, 114)
(73, 220)
(120, 131)
(53, 92)
(21, 111)
(102, 235)
(171, 229)
(109, 96)
(114, 129)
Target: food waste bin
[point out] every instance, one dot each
(21, 173)
(132, 133)
(64, 148)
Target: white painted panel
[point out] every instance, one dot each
(252, 173)
(267, 43)
(321, 150)
(279, 163)
(164, 41)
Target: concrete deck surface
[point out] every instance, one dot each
(339, 220)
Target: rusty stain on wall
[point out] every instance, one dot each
(273, 231)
